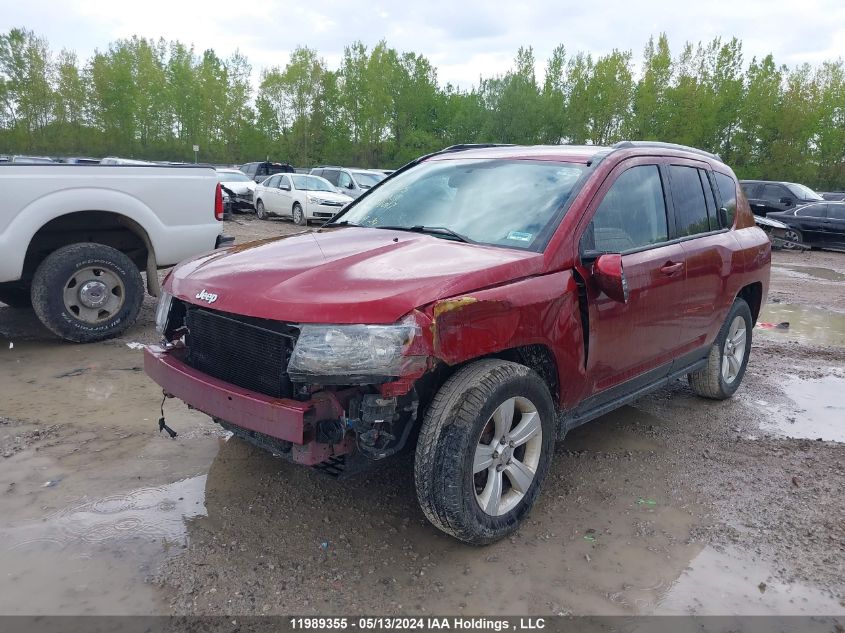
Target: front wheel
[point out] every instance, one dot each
(87, 292)
(793, 240)
(484, 449)
(260, 211)
(728, 357)
(299, 215)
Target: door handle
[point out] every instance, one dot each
(670, 268)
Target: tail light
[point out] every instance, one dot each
(218, 203)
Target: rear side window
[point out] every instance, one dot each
(711, 200)
(727, 192)
(688, 198)
(631, 215)
(749, 189)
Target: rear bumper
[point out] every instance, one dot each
(284, 419)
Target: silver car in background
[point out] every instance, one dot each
(350, 181)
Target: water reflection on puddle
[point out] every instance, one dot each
(819, 412)
(89, 557)
(811, 325)
(731, 582)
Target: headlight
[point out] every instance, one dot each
(349, 352)
(316, 200)
(162, 311)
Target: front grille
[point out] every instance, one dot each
(249, 353)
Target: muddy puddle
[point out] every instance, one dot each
(735, 581)
(806, 324)
(817, 409)
(93, 498)
(809, 272)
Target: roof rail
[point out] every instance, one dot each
(661, 145)
(464, 146)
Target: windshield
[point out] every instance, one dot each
(367, 179)
(232, 176)
(312, 183)
(803, 192)
(499, 202)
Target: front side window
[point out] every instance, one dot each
(367, 179)
(688, 199)
(836, 211)
(773, 193)
(727, 192)
(803, 192)
(501, 202)
(344, 180)
(311, 183)
(273, 181)
(813, 211)
(631, 215)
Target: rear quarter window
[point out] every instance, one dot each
(727, 192)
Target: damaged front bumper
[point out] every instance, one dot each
(289, 421)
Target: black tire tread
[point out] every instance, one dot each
(54, 266)
(707, 382)
(442, 444)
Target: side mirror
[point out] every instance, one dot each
(610, 277)
(284, 187)
(787, 201)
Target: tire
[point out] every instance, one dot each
(87, 292)
(460, 427)
(714, 380)
(793, 240)
(260, 211)
(298, 215)
(15, 296)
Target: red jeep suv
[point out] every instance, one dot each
(473, 307)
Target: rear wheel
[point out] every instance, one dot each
(299, 215)
(793, 240)
(485, 447)
(260, 211)
(87, 292)
(728, 357)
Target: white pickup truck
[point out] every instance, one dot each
(75, 238)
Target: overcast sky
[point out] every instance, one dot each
(462, 38)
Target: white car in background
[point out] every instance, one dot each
(240, 184)
(301, 197)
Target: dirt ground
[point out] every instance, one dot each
(673, 505)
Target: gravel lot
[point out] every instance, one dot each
(673, 505)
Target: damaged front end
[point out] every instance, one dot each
(333, 396)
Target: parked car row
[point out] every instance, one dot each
(300, 197)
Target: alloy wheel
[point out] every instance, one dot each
(733, 352)
(507, 456)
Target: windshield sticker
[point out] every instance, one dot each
(519, 236)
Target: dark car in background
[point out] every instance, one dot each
(765, 196)
(835, 196)
(819, 225)
(264, 169)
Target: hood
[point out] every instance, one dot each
(328, 195)
(238, 186)
(345, 275)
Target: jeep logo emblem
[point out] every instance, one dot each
(210, 297)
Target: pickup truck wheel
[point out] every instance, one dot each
(260, 211)
(484, 448)
(298, 215)
(15, 296)
(87, 292)
(728, 357)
